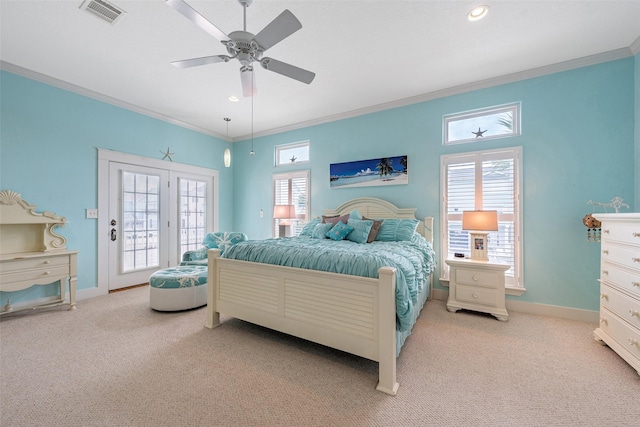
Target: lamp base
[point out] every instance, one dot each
(479, 245)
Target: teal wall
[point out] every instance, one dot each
(577, 136)
(48, 153)
(578, 145)
(637, 131)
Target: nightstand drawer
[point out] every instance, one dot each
(629, 234)
(626, 335)
(476, 295)
(39, 275)
(477, 277)
(33, 263)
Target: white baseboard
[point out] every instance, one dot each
(569, 313)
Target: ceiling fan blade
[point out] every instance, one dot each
(277, 30)
(288, 70)
(248, 81)
(187, 63)
(193, 16)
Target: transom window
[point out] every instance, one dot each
(478, 125)
(291, 154)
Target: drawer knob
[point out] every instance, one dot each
(636, 234)
(604, 296)
(47, 262)
(474, 295)
(475, 278)
(604, 320)
(633, 341)
(46, 273)
(605, 251)
(605, 231)
(636, 284)
(635, 259)
(605, 272)
(634, 313)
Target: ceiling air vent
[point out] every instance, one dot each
(103, 10)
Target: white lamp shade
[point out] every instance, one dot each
(480, 220)
(227, 158)
(284, 211)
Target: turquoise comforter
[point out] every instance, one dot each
(414, 260)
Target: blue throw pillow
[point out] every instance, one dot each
(361, 229)
(339, 231)
(397, 230)
(355, 214)
(320, 232)
(308, 228)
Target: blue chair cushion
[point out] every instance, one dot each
(223, 240)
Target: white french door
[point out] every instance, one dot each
(139, 223)
(151, 212)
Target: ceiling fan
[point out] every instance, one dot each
(246, 47)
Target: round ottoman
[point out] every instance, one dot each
(178, 288)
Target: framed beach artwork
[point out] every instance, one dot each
(366, 173)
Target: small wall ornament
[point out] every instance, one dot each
(593, 225)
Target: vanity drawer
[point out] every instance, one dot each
(623, 305)
(477, 277)
(33, 263)
(629, 234)
(40, 275)
(627, 256)
(624, 279)
(626, 335)
(476, 295)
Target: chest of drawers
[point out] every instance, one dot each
(619, 326)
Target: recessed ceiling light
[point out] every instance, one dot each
(233, 98)
(478, 12)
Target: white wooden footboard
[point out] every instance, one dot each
(349, 313)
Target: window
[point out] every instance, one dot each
(487, 123)
(193, 213)
(292, 189)
(292, 153)
(488, 180)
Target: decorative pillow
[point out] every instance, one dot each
(397, 230)
(355, 214)
(223, 240)
(375, 228)
(308, 228)
(361, 229)
(320, 232)
(339, 231)
(335, 219)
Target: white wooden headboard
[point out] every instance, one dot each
(372, 207)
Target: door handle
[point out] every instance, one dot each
(113, 234)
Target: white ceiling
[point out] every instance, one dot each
(366, 54)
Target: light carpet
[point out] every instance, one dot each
(116, 362)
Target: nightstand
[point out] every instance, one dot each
(477, 285)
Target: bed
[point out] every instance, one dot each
(351, 313)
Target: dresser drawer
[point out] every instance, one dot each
(628, 256)
(623, 305)
(40, 275)
(626, 335)
(477, 277)
(476, 295)
(624, 279)
(33, 263)
(629, 234)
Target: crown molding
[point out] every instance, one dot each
(61, 84)
(635, 46)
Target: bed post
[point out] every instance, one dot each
(213, 317)
(387, 331)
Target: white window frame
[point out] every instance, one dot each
(293, 146)
(513, 108)
(297, 223)
(515, 285)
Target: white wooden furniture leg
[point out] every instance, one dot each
(213, 317)
(387, 332)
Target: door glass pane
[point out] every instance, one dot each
(140, 218)
(193, 203)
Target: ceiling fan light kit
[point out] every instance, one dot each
(246, 47)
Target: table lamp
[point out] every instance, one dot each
(283, 213)
(479, 223)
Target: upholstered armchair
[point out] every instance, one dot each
(220, 239)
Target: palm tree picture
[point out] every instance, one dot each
(371, 172)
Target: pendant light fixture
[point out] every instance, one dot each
(227, 152)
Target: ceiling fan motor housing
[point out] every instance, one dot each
(243, 47)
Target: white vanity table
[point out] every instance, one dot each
(31, 253)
